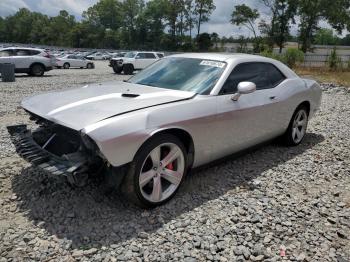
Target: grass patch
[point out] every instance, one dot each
(325, 75)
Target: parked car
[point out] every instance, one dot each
(98, 56)
(134, 61)
(179, 113)
(68, 61)
(32, 61)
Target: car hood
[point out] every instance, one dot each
(81, 107)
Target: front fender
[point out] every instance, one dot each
(119, 138)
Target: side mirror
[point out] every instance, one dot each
(244, 88)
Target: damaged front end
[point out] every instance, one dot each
(57, 149)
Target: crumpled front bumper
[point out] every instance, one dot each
(29, 150)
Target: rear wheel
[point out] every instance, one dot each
(297, 127)
(37, 70)
(156, 172)
(66, 65)
(128, 69)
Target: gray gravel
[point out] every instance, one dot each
(269, 205)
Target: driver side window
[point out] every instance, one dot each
(258, 73)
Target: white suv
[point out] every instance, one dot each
(27, 60)
(134, 61)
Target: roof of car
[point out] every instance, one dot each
(218, 56)
(25, 48)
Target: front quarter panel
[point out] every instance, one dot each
(120, 137)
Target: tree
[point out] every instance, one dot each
(130, 13)
(189, 15)
(215, 39)
(203, 9)
(325, 36)
(106, 13)
(283, 13)
(204, 42)
(336, 13)
(243, 15)
(2, 30)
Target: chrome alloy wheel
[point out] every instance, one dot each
(299, 126)
(162, 172)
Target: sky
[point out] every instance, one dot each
(219, 20)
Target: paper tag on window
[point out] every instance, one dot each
(212, 63)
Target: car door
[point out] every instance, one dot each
(254, 117)
(70, 59)
(140, 61)
(80, 61)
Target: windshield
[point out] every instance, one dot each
(178, 73)
(130, 55)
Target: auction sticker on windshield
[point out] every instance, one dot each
(212, 63)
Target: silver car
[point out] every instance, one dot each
(33, 61)
(71, 60)
(179, 113)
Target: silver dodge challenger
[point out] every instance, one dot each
(181, 112)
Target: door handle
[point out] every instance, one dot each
(272, 97)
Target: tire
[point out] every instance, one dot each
(128, 69)
(66, 65)
(144, 193)
(297, 127)
(89, 66)
(117, 69)
(37, 70)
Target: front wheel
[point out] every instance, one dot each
(89, 66)
(128, 69)
(66, 65)
(156, 172)
(297, 127)
(117, 69)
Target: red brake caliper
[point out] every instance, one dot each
(170, 166)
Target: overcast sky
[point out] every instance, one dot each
(219, 20)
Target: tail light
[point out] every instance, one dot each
(47, 55)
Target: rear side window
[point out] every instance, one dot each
(160, 55)
(23, 52)
(5, 53)
(150, 56)
(34, 52)
(264, 75)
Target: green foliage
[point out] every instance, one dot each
(334, 61)
(243, 15)
(312, 12)
(325, 36)
(204, 42)
(293, 56)
(125, 24)
(272, 55)
(277, 31)
(202, 10)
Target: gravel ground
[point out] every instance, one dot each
(272, 204)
